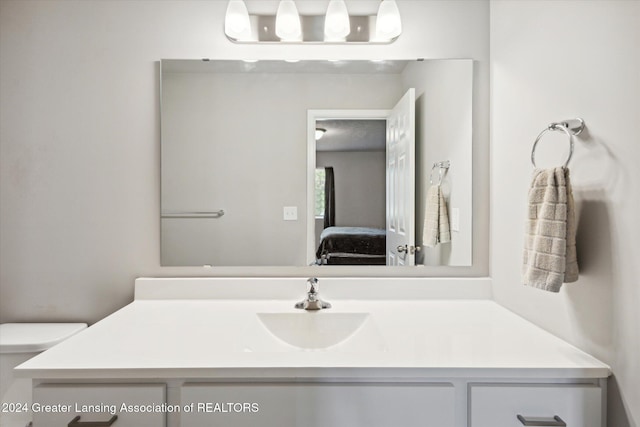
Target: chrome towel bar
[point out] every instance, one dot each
(216, 214)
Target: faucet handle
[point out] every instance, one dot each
(313, 301)
(312, 285)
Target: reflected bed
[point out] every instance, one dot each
(352, 246)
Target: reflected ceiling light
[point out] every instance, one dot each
(288, 26)
(236, 21)
(336, 21)
(388, 23)
(319, 133)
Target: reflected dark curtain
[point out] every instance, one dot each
(329, 198)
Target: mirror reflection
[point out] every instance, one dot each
(349, 206)
(244, 179)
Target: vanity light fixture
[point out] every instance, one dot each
(335, 26)
(236, 21)
(388, 24)
(336, 22)
(320, 133)
(288, 26)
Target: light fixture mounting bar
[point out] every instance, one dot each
(263, 29)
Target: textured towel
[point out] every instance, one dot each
(436, 219)
(550, 240)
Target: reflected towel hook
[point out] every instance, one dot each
(442, 167)
(571, 127)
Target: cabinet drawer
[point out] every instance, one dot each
(319, 405)
(56, 405)
(500, 405)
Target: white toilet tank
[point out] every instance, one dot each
(18, 343)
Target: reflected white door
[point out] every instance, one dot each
(401, 181)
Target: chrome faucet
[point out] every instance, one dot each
(313, 301)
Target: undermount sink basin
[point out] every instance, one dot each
(320, 330)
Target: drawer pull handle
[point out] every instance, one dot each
(539, 422)
(77, 423)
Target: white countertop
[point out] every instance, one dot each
(212, 338)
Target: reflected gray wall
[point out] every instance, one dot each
(444, 132)
(232, 141)
(360, 186)
(238, 142)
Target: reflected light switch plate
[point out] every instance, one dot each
(290, 213)
(455, 219)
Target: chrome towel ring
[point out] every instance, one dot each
(570, 127)
(442, 168)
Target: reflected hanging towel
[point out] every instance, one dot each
(550, 240)
(436, 219)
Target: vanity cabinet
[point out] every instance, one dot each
(59, 405)
(449, 402)
(448, 364)
(319, 404)
(542, 405)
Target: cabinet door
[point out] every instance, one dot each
(318, 405)
(56, 405)
(500, 405)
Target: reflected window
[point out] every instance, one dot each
(319, 191)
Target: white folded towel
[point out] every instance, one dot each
(550, 241)
(436, 219)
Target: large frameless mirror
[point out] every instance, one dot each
(275, 163)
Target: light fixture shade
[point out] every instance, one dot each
(388, 22)
(288, 26)
(236, 21)
(320, 133)
(336, 21)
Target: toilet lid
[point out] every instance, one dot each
(35, 337)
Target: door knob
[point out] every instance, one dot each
(410, 249)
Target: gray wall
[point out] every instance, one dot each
(552, 61)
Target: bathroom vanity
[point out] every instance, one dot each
(200, 352)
